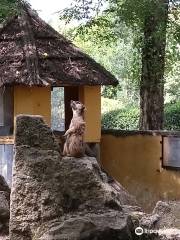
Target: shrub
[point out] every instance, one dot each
(125, 119)
(172, 116)
(128, 118)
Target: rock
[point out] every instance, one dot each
(169, 234)
(4, 206)
(3, 185)
(110, 225)
(165, 215)
(62, 198)
(169, 220)
(85, 186)
(33, 132)
(149, 221)
(4, 188)
(55, 198)
(169, 213)
(35, 195)
(165, 220)
(4, 237)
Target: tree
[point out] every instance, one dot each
(172, 71)
(7, 7)
(10, 7)
(153, 66)
(149, 18)
(116, 52)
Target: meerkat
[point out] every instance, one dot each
(74, 145)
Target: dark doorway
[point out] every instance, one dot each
(6, 111)
(70, 93)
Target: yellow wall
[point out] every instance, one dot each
(37, 101)
(91, 97)
(135, 162)
(33, 101)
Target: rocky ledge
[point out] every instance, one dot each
(4, 206)
(55, 198)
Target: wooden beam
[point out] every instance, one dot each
(6, 139)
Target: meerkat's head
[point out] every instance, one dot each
(77, 107)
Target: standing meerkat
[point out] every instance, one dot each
(74, 145)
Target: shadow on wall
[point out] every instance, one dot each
(135, 160)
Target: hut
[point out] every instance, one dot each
(34, 59)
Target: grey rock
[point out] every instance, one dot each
(35, 195)
(85, 187)
(161, 208)
(53, 194)
(165, 215)
(4, 237)
(55, 198)
(4, 207)
(149, 221)
(33, 132)
(110, 225)
(165, 220)
(3, 185)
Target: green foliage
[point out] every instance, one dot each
(7, 7)
(109, 105)
(128, 118)
(10, 7)
(81, 9)
(124, 119)
(110, 92)
(172, 71)
(114, 38)
(172, 116)
(119, 56)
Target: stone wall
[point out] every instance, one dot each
(134, 158)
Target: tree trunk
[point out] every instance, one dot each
(153, 64)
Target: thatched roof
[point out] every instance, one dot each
(33, 53)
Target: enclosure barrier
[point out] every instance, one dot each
(146, 163)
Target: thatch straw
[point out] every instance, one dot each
(33, 53)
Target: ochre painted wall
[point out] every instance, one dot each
(33, 101)
(135, 161)
(91, 97)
